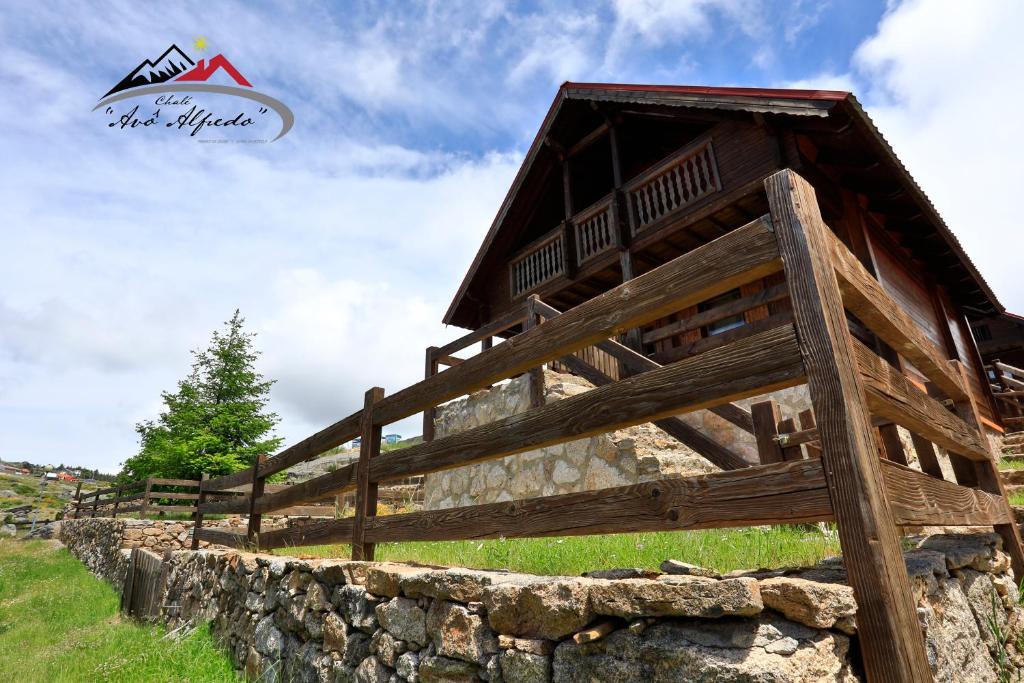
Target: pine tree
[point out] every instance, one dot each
(217, 421)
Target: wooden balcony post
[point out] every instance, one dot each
(765, 416)
(198, 515)
(366, 490)
(887, 624)
(255, 518)
(429, 371)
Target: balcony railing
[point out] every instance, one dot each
(680, 180)
(596, 232)
(540, 263)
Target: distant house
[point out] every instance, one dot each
(50, 476)
(392, 438)
(66, 476)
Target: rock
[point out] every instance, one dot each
(820, 605)
(317, 598)
(532, 645)
(625, 573)
(544, 609)
(335, 633)
(386, 579)
(954, 642)
(684, 597)
(403, 618)
(356, 606)
(267, 639)
(980, 552)
(8, 530)
(371, 670)
(460, 585)
(386, 647)
(685, 569)
(458, 633)
(443, 670)
(407, 665)
(737, 650)
(523, 667)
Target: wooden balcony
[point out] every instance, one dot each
(666, 189)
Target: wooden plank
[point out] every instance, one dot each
(306, 511)
(865, 297)
(768, 494)
(887, 624)
(705, 344)
(891, 395)
(926, 457)
(219, 537)
(636, 363)
(198, 514)
(919, 500)
(789, 453)
(366, 487)
(763, 362)
(494, 328)
(338, 433)
(692, 437)
(168, 495)
(745, 254)
(229, 480)
(235, 506)
(766, 415)
(157, 481)
(533, 319)
(695, 322)
(169, 508)
(332, 483)
(806, 419)
(258, 484)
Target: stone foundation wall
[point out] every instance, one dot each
(285, 619)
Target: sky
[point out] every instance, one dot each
(343, 242)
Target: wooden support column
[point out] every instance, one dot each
(789, 453)
(892, 445)
(252, 534)
(807, 422)
(198, 515)
(366, 491)
(533, 318)
(429, 371)
(765, 416)
(887, 624)
(987, 474)
(78, 499)
(632, 337)
(926, 457)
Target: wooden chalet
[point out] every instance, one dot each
(621, 179)
(1001, 344)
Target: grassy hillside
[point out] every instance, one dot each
(18, 489)
(60, 623)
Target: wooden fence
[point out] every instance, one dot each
(846, 478)
(146, 496)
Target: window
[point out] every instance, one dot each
(982, 333)
(725, 324)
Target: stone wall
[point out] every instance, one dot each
(285, 619)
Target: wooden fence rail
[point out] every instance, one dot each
(146, 495)
(830, 466)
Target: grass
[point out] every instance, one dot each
(60, 623)
(1005, 464)
(721, 549)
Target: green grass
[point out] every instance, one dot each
(1005, 464)
(722, 550)
(1017, 498)
(60, 623)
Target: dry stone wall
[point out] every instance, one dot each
(286, 619)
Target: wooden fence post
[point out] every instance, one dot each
(78, 499)
(887, 623)
(366, 491)
(198, 514)
(144, 508)
(533, 318)
(255, 518)
(95, 502)
(428, 415)
(765, 416)
(117, 501)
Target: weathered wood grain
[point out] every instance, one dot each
(332, 483)
(891, 395)
(338, 433)
(919, 500)
(366, 487)
(695, 322)
(229, 538)
(765, 415)
(229, 481)
(887, 623)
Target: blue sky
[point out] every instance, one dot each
(343, 242)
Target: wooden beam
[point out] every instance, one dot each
(766, 416)
(702, 345)
(220, 537)
(771, 494)
(919, 500)
(865, 297)
(887, 623)
(891, 395)
(926, 457)
(892, 444)
(746, 254)
(711, 450)
(762, 362)
(366, 488)
(694, 322)
(338, 433)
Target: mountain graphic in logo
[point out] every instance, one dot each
(203, 71)
(167, 66)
